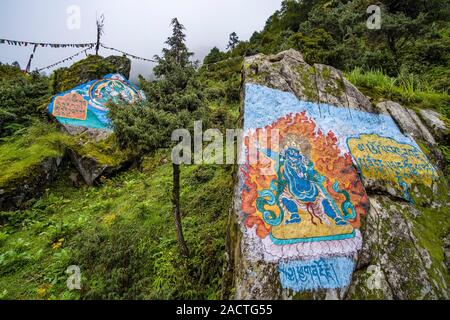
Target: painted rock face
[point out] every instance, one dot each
(112, 90)
(86, 105)
(301, 195)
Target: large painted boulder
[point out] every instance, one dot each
(86, 105)
(83, 113)
(330, 193)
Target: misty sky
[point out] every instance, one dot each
(139, 27)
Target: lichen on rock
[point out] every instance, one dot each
(96, 153)
(28, 162)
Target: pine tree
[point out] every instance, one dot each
(176, 56)
(173, 67)
(177, 46)
(173, 102)
(215, 55)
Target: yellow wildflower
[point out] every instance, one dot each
(109, 218)
(58, 244)
(41, 291)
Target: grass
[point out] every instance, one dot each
(20, 153)
(122, 236)
(405, 88)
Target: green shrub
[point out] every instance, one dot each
(17, 256)
(21, 98)
(115, 263)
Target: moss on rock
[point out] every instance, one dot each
(23, 152)
(105, 152)
(91, 68)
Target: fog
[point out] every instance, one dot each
(139, 27)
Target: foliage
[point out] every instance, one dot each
(142, 126)
(174, 99)
(121, 235)
(21, 96)
(17, 256)
(215, 55)
(413, 37)
(222, 88)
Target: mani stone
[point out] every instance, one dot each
(392, 263)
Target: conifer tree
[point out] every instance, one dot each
(173, 101)
(175, 68)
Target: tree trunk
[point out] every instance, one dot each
(176, 210)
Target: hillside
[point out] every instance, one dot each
(105, 199)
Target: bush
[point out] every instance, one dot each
(21, 98)
(115, 263)
(215, 55)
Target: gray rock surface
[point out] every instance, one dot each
(433, 120)
(400, 263)
(87, 166)
(122, 65)
(407, 120)
(288, 71)
(94, 134)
